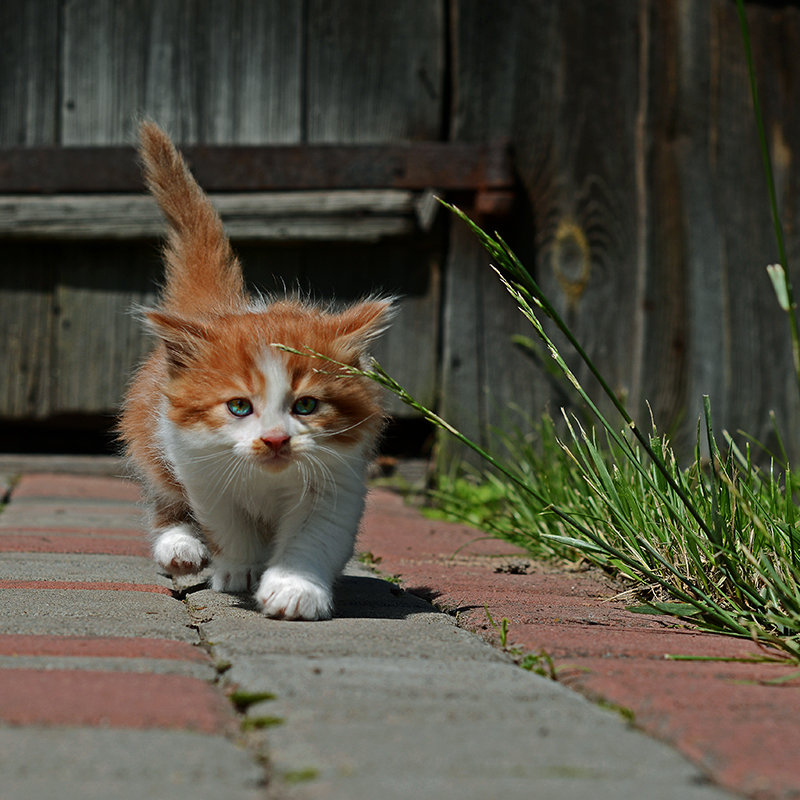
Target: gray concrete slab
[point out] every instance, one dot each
(93, 612)
(80, 567)
(34, 512)
(98, 764)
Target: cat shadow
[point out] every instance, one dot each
(362, 597)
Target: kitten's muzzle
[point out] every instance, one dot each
(277, 443)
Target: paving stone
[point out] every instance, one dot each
(43, 485)
(111, 699)
(36, 515)
(81, 567)
(97, 764)
(93, 613)
(405, 700)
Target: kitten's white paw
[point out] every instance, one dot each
(234, 577)
(179, 552)
(284, 595)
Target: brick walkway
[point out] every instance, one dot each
(91, 637)
(108, 658)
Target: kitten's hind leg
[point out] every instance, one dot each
(235, 577)
(239, 547)
(177, 546)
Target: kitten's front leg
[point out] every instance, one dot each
(178, 550)
(178, 547)
(286, 593)
(310, 553)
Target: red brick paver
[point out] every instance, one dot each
(721, 714)
(99, 647)
(58, 542)
(111, 699)
(76, 487)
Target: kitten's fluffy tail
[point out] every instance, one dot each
(202, 274)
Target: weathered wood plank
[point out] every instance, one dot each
(374, 70)
(586, 189)
(375, 73)
(97, 340)
(483, 376)
(29, 72)
(206, 72)
(754, 354)
(353, 216)
(71, 342)
(458, 167)
(26, 330)
(565, 79)
(715, 325)
(649, 221)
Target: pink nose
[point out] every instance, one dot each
(275, 440)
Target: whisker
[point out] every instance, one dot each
(339, 431)
(350, 462)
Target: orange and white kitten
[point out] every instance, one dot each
(252, 458)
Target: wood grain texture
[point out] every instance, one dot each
(26, 330)
(583, 191)
(478, 316)
(716, 328)
(331, 216)
(374, 70)
(98, 339)
(757, 376)
(642, 213)
(541, 79)
(647, 220)
(241, 73)
(29, 36)
(375, 73)
(205, 73)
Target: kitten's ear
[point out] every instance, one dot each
(182, 337)
(359, 324)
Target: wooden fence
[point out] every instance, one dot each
(640, 201)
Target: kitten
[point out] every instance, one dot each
(252, 458)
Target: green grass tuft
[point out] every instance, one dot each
(242, 700)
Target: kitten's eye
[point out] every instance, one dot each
(305, 406)
(240, 407)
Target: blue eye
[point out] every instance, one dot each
(240, 407)
(305, 406)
